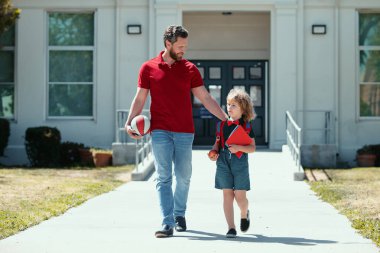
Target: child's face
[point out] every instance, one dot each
(234, 109)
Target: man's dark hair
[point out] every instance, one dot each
(173, 32)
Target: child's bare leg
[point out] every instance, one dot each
(228, 206)
(242, 201)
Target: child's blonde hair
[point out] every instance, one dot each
(243, 99)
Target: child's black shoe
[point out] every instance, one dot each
(231, 233)
(244, 223)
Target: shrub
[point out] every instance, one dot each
(70, 154)
(86, 157)
(376, 149)
(366, 150)
(43, 146)
(4, 135)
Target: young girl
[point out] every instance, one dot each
(232, 175)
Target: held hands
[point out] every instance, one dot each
(213, 155)
(132, 132)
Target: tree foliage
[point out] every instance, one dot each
(8, 15)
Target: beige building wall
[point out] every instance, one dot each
(235, 36)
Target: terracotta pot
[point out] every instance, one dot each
(102, 159)
(366, 160)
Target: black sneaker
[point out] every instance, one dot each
(166, 231)
(180, 224)
(231, 233)
(244, 223)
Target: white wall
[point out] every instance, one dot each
(30, 86)
(306, 71)
(165, 15)
(283, 89)
(31, 81)
(319, 72)
(133, 51)
(354, 131)
(331, 69)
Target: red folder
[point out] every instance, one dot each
(239, 136)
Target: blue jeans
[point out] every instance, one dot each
(172, 148)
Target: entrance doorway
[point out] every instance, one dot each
(219, 77)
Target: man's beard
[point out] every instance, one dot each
(174, 56)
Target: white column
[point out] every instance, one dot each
(300, 92)
(166, 14)
(284, 86)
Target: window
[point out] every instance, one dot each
(369, 68)
(255, 94)
(238, 73)
(7, 73)
(255, 72)
(215, 73)
(71, 64)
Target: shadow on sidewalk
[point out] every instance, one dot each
(205, 236)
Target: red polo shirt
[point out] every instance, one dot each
(170, 91)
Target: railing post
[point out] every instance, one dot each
(299, 148)
(293, 136)
(117, 126)
(327, 127)
(137, 155)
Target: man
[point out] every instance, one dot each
(170, 79)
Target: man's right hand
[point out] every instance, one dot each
(132, 133)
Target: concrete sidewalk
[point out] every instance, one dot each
(287, 217)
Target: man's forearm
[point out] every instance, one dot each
(136, 109)
(213, 107)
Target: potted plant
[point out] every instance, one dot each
(366, 156)
(102, 158)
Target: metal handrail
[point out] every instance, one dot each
(293, 137)
(143, 150)
(143, 145)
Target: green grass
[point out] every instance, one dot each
(355, 193)
(30, 196)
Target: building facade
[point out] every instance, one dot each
(72, 64)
